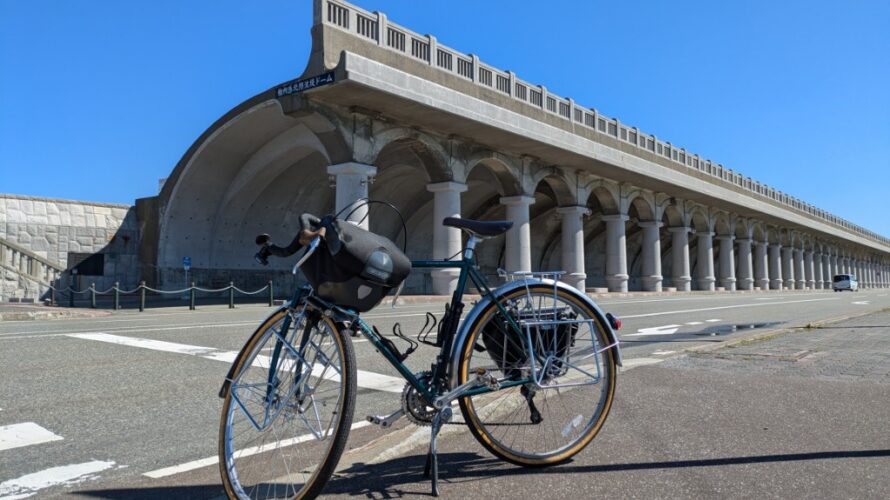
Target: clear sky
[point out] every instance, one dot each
(100, 99)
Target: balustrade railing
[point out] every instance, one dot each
(28, 264)
(376, 28)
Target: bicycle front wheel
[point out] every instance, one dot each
(287, 414)
(559, 380)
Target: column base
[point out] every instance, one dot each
(811, 285)
(775, 284)
(801, 285)
(706, 283)
(789, 284)
(746, 284)
(763, 283)
(728, 284)
(683, 283)
(576, 280)
(444, 281)
(617, 282)
(652, 283)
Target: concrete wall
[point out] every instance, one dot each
(54, 229)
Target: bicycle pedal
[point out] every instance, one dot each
(385, 421)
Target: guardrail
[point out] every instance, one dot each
(374, 27)
(143, 289)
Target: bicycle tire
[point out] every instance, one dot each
(286, 458)
(491, 416)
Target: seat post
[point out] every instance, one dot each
(471, 246)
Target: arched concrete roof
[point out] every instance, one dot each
(254, 170)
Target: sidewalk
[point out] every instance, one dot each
(800, 415)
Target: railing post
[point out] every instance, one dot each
(192, 297)
(52, 295)
(117, 295)
(70, 296)
(231, 295)
(93, 295)
(271, 294)
(141, 296)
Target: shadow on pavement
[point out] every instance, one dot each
(203, 491)
(403, 477)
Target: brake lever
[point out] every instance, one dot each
(262, 255)
(309, 251)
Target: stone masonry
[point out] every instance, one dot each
(55, 229)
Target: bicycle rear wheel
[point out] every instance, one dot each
(569, 385)
(287, 413)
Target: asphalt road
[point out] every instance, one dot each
(125, 406)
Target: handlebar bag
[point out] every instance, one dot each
(355, 268)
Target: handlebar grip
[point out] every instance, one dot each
(309, 221)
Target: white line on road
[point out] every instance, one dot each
(24, 434)
(204, 462)
(711, 320)
(30, 484)
(693, 323)
(683, 311)
(365, 379)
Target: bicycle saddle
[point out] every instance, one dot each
(484, 228)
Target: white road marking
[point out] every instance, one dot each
(31, 484)
(627, 364)
(711, 320)
(205, 462)
(662, 353)
(693, 323)
(366, 379)
(24, 434)
(684, 311)
(861, 302)
(657, 330)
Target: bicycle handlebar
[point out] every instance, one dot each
(306, 236)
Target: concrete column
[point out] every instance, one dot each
(834, 267)
(800, 282)
(761, 265)
(446, 240)
(352, 180)
(745, 273)
(817, 270)
(727, 262)
(680, 258)
(616, 252)
(788, 267)
(775, 267)
(826, 271)
(519, 248)
(651, 267)
(573, 245)
(808, 270)
(705, 278)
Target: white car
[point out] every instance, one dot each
(842, 282)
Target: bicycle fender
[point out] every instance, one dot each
(225, 386)
(480, 306)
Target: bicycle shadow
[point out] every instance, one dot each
(403, 477)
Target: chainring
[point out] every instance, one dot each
(414, 405)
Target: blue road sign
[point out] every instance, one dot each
(186, 263)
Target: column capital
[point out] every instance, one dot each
(621, 217)
(517, 200)
(745, 240)
(704, 233)
(447, 186)
(353, 168)
(573, 210)
(725, 237)
(679, 229)
(650, 223)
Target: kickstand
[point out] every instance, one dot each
(432, 461)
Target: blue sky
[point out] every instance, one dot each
(100, 99)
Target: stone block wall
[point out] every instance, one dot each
(55, 228)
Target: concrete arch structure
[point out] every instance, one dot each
(613, 206)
